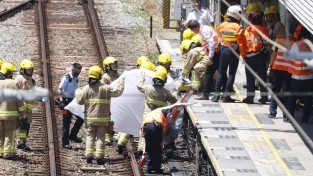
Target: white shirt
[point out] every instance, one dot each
(204, 18)
(68, 85)
(208, 35)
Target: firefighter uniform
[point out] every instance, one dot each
(29, 105)
(96, 97)
(301, 81)
(256, 59)
(232, 35)
(197, 60)
(9, 113)
(152, 128)
(279, 67)
(110, 75)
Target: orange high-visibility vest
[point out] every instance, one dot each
(297, 68)
(280, 62)
(254, 40)
(233, 33)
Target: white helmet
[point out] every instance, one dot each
(234, 11)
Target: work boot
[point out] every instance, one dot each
(76, 139)
(263, 100)
(8, 157)
(67, 147)
(100, 161)
(215, 98)
(119, 149)
(22, 145)
(202, 97)
(248, 100)
(228, 99)
(271, 115)
(304, 120)
(89, 160)
(185, 81)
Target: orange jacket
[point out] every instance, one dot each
(254, 40)
(280, 62)
(297, 68)
(155, 115)
(233, 33)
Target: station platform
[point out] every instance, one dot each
(239, 138)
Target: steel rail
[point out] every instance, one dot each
(47, 84)
(93, 21)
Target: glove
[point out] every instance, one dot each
(62, 105)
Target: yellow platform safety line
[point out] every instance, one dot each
(263, 133)
(206, 144)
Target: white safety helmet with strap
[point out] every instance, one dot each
(234, 11)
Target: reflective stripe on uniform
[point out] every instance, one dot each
(28, 106)
(97, 101)
(155, 102)
(98, 119)
(185, 71)
(22, 134)
(89, 150)
(100, 151)
(9, 113)
(8, 150)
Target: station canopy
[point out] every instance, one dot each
(302, 10)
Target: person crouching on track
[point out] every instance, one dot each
(96, 97)
(68, 86)
(153, 127)
(26, 70)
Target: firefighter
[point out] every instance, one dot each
(301, 78)
(232, 35)
(7, 70)
(96, 97)
(1, 62)
(68, 86)
(9, 113)
(278, 68)
(165, 60)
(156, 95)
(26, 71)
(147, 65)
(188, 34)
(275, 26)
(142, 59)
(153, 128)
(110, 66)
(210, 43)
(253, 7)
(256, 57)
(193, 58)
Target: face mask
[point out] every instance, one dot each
(75, 74)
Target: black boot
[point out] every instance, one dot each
(100, 161)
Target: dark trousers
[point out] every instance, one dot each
(153, 138)
(280, 79)
(300, 86)
(209, 74)
(229, 62)
(67, 122)
(258, 64)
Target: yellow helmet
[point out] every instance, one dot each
(188, 34)
(95, 72)
(1, 62)
(161, 73)
(197, 39)
(141, 60)
(253, 7)
(26, 64)
(109, 60)
(271, 10)
(147, 65)
(7, 67)
(165, 58)
(184, 46)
